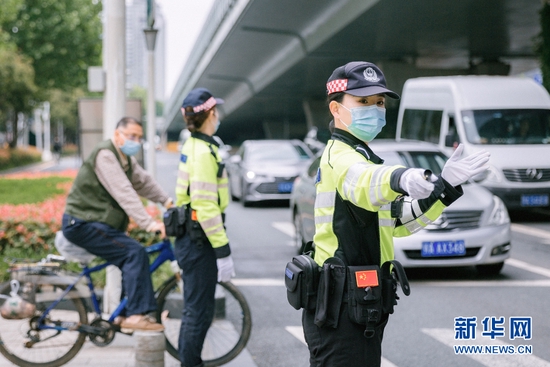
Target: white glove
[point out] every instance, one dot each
(225, 269)
(457, 171)
(415, 183)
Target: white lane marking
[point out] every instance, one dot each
(503, 283)
(488, 283)
(298, 333)
(285, 227)
(535, 232)
(446, 336)
(529, 267)
(262, 282)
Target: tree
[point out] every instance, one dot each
(64, 109)
(61, 37)
(46, 47)
(16, 83)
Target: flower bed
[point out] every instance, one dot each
(28, 230)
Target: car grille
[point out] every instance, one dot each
(450, 220)
(416, 254)
(272, 187)
(527, 175)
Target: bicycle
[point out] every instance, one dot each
(58, 329)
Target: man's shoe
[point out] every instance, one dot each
(143, 323)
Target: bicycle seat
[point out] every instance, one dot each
(70, 251)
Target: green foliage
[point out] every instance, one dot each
(34, 240)
(27, 191)
(64, 108)
(29, 236)
(543, 44)
(62, 37)
(16, 80)
(10, 8)
(10, 158)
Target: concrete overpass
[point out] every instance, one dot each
(270, 59)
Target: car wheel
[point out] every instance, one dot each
(298, 237)
(233, 197)
(490, 269)
(243, 195)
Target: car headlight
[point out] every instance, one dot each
(253, 176)
(499, 214)
(250, 175)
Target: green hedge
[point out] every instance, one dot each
(33, 240)
(10, 158)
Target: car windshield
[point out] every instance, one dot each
(507, 126)
(434, 161)
(275, 152)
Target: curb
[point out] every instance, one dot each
(30, 167)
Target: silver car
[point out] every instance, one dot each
(266, 169)
(474, 230)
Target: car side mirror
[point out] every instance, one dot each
(450, 140)
(235, 159)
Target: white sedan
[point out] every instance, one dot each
(474, 230)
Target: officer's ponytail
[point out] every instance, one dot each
(194, 120)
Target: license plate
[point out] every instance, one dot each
(443, 248)
(285, 187)
(534, 200)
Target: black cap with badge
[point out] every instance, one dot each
(359, 78)
(200, 99)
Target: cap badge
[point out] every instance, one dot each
(370, 75)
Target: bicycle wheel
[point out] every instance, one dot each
(23, 344)
(230, 329)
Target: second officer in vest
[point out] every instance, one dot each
(355, 223)
(203, 253)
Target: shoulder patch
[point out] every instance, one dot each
(183, 158)
(318, 176)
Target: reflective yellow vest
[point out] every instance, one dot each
(355, 192)
(202, 181)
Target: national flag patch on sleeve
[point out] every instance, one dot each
(366, 278)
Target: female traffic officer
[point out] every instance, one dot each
(354, 225)
(203, 253)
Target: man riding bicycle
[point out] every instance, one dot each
(105, 193)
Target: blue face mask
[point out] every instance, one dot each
(130, 147)
(217, 126)
(366, 122)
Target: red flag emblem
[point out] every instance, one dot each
(366, 278)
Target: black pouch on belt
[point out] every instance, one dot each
(301, 281)
(174, 221)
(331, 292)
(365, 296)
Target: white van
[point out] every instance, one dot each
(508, 116)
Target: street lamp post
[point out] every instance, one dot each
(150, 39)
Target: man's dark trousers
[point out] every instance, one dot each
(122, 251)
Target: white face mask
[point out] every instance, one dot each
(366, 121)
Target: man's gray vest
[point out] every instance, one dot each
(89, 200)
